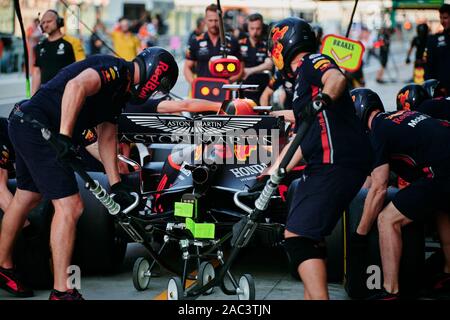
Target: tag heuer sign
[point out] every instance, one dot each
(347, 53)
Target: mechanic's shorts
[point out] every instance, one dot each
(37, 167)
(319, 199)
(423, 197)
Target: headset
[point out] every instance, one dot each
(59, 20)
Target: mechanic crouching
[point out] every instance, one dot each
(335, 149)
(416, 147)
(83, 95)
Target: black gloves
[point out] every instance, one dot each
(407, 61)
(65, 149)
(122, 194)
(321, 101)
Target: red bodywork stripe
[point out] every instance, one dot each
(324, 138)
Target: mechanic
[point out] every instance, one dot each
(207, 45)
(415, 97)
(86, 94)
(254, 54)
(419, 42)
(437, 63)
(335, 150)
(287, 89)
(55, 52)
(414, 146)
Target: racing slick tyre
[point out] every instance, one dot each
(175, 289)
(206, 274)
(247, 291)
(98, 246)
(32, 250)
(363, 262)
(141, 274)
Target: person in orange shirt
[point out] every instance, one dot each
(126, 44)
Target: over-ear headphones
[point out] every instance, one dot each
(59, 20)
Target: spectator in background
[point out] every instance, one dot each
(199, 28)
(34, 34)
(437, 52)
(126, 45)
(96, 43)
(241, 31)
(160, 25)
(383, 44)
(55, 52)
(147, 33)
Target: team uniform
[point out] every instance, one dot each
(438, 108)
(37, 166)
(200, 49)
(252, 57)
(151, 106)
(335, 149)
(278, 81)
(416, 148)
(437, 60)
(420, 44)
(52, 56)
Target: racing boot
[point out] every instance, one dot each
(71, 294)
(384, 295)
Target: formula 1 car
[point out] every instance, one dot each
(215, 165)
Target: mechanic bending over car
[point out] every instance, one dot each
(416, 147)
(335, 149)
(428, 98)
(86, 94)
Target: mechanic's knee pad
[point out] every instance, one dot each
(300, 249)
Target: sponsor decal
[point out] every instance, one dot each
(113, 74)
(414, 122)
(203, 44)
(247, 171)
(321, 64)
(60, 50)
(154, 81)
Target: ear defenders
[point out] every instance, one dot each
(59, 20)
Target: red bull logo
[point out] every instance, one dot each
(277, 49)
(402, 97)
(153, 83)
